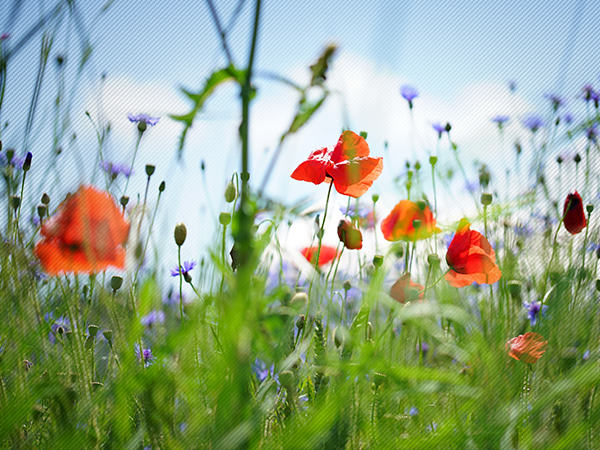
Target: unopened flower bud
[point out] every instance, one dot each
(409, 174)
(161, 188)
(93, 330)
(45, 199)
(180, 233)
(230, 192)
(202, 166)
(150, 169)
(41, 210)
(486, 199)
(15, 201)
(347, 285)
(363, 134)
(124, 200)
(598, 285)
(577, 158)
(448, 127)
(378, 260)
(417, 166)
(224, 218)
(589, 208)
(116, 282)
(300, 322)
(27, 162)
(559, 160)
(416, 223)
(89, 343)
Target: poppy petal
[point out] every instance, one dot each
(354, 177)
(349, 146)
(313, 169)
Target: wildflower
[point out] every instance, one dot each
(152, 318)
(527, 348)
(144, 356)
(439, 128)
(413, 411)
(114, 169)
(363, 215)
(533, 122)
(409, 93)
(500, 120)
(471, 258)
(326, 255)
(143, 118)
(567, 118)
(573, 214)
(86, 234)
(188, 266)
(591, 133)
(349, 235)
(400, 223)
(347, 164)
(588, 92)
(533, 310)
(556, 101)
(405, 289)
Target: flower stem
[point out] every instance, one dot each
(180, 283)
(137, 146)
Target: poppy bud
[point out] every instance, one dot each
(363, 134)
(45, 199)
(559, 160)
(180, 233)
(299, 299)
(224, 219)
(230, 192)
(347, 285)
(589, 208)
(93, 330)
(417, 166)
(378, 379)
(89, 343)
(378, 260)
(577, 158)
(150, 170)
(15, 201)
(433, 160)
(448, 127)
(409, 174)
(486, 199)
(124, 200)
(514, 289)
(142, 126)
(27, 162)
(349, 235)
(433, 260)
(41, 210)
(416, 223)
(300, 322)
(202, 166)
(9, 155)
(161, 188)
(108, 334)
(116, 282)
(574, 217)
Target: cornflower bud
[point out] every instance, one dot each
(180, 233)
(161, 188)
(27, 162)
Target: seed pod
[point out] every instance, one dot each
(116, 282)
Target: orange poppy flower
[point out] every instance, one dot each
(398, 225)
(401, 289)
(471, 258)
(327, 254)
(86, 234)
(348, 165)
(574, 217)
(349, 235)
(528, 347)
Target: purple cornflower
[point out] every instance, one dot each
(188, 266)
(152, 318)
(364, 216)
(588, 92)
(567, 118)
(409, 93)
(439, 128)
(146, 354)
(143, 118)
(556, 101)
(591, 133)
(471, 186)
(533, 122)
(59, 326)
(261, 371)
(4, 36)
(500, 120)
(533, 310)
(413, 411)
(115, 169)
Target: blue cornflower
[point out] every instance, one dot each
(61, 323)
(143, 118)
(588, 92)
(439, 128)
(500, 120)
(188, 266)
(260, 369)
(364, 215)
(586, 355)
(533, 122)
(471, 186)
(409, 93)
(533, 310)
(4, 36)
(591, 133)
(567, 118)
(146, 354)
(152, 318)
(413, 411)
(522, 230)
(115, 169)
(556, 101)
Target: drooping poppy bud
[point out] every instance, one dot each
(349, 235)
(574, 216)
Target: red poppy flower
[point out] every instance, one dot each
(401, 289)
(349, 235)
(471, 258)
(348, 164)
(85, 235)
(398, 225)
(528, 347)
(327, 254)
(574, 217)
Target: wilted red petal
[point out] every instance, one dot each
(398, 225)
(349, 146)
(313, 169)
(349, 235)
(527, 348)
(327, 254)
(400, 291)
(574, 216)
(85, 235)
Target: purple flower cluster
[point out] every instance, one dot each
(439, 128)
(146, 354)
(188, 266)
(145, 118)
(114, 169)
(533, 310)
(153, 318)
(500, 120)
(533, 122)
(409, 93)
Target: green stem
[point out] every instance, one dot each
(137, 146)
(180, 283)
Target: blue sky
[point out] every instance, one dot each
(460, 56)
